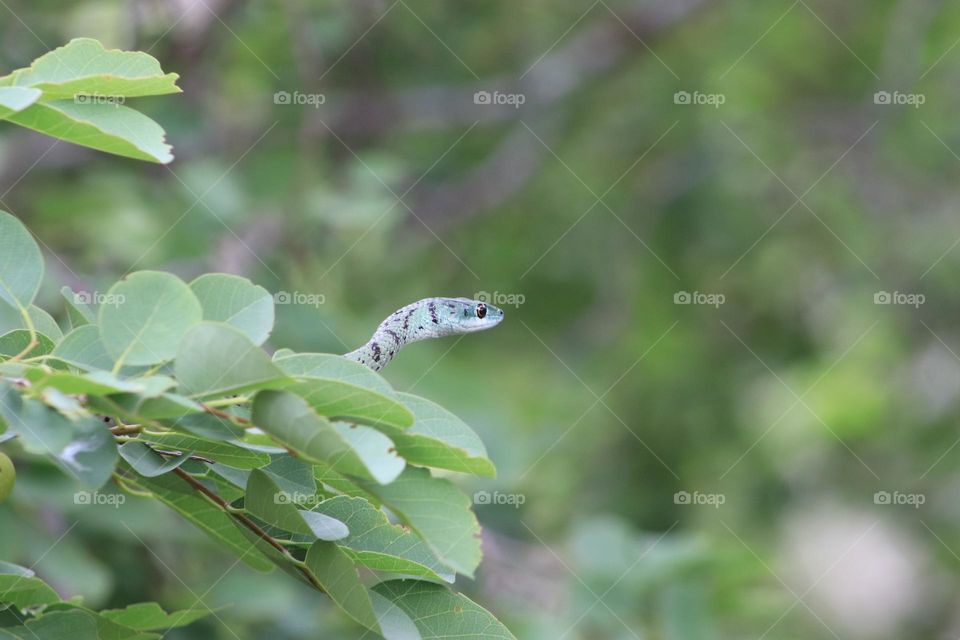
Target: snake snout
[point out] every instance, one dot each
(495, 314)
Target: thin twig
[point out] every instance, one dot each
(224, 414)
(245, 521)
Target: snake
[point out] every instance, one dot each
(422, 320)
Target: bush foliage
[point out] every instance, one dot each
(308, 462)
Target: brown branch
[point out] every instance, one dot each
(225, 415)
(244, 520)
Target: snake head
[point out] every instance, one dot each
(462, 315)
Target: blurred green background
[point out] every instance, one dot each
(776, 458)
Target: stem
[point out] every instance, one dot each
(33, 334)
(122, 482)
(152, 370)
(126, 431)
(209, 408)
(177, 454)
(247, 522)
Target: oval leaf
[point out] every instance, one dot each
(440, 439)
(83, 66)
(21, 265)
(108, 127)
(148, 462)
(440, 514)
(355, 450)
(440, 613)
(266, 500)
(13, 99)
(222, 452)
(236, 301)
(338, 577)
(376, 543)
(339, 388)
(216, 359)
(152, 314)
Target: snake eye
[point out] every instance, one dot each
(481, 311)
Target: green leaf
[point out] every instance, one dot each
(15, 569)
(148, 462)
(135, 407)
(84, 66)
(375, 453)
(337, 575)
(440, 613)
(149, 616)
(182, 498)
(42, 430)
(25, 591)
(167, 406)
(379, 545)
(326, 365)
(108, 127)
(216, 359)
(44, 323)
(236, 301)
(153, 313)
(78, 311)
(292, 475)
(58, 625)
(12, 318)
(268, 502)
(394, 623)
(82, 348)
(69, 406)
(327, 477)
(13, 99)
(16, 341)
(224, 453)
(91, 455)
(21, 265)
(337, 399)
(358, 450)
(106, 628)
(206, 425)
(154, 386)
(98, 383)
(438, 512)
(440, 439)
(340, 388)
